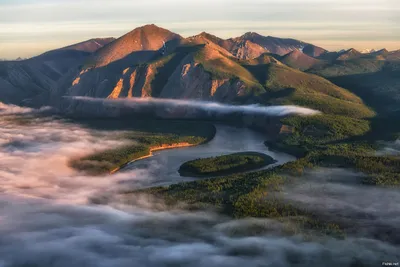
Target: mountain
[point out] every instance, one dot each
(208, 40)
(264, 59)
(313, 51)
(153, 62)
(203, 67)
(295, 59)
(368, 50)
(25, 81)
(342, 55)
(373, 76)
(90, 46)
(394, 55)
(299, 60)
(349, 54)
(34, 77)
(285, 85)
(252, 45)
(270, 44)
(241, 50)
(140, 45)
(198, 69)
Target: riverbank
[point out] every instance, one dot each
(143, 138)
(151, 150)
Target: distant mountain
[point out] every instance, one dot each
(367, 50)
(295, 59)
(270, 44)
(299, 60)
(252, 45)
(151, 61)
(349, 54)
(22, 81)
(91, 45)
(203, 67)
(313, 51)
(373, 76)
(394, 55)
(29, 81)
(341, 55)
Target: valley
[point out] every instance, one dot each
(180, 150)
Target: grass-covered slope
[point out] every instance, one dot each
(285, 85)
(221, 66)
(377, 82)
(349, 67)
(298, 60)
(225, 165)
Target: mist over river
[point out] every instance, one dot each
(47, 219)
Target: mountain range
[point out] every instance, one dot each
(153, 62)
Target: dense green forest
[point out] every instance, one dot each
(226, 164)
(326, 140)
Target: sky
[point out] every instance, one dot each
(31, 27)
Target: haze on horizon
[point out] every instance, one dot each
(30, 27)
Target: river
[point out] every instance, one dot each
(164, 164)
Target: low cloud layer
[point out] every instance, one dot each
(46, 218)
(174, 108)
(42, 235)
(338, 195)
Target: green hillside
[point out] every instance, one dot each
(285, 85)
(222, 67)
(377, 82)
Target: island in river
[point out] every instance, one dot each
(226, 164)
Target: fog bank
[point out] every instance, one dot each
(47, 219)
(166, 108)
(338, 195)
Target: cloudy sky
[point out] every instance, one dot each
(30, 27)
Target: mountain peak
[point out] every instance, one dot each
(349, 54)
(150, 27)
(251, 35)
(382, 51)
(205, 38)
(145, 38)
(207, 35)
(352, 50)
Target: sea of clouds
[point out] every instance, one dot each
(47, 219)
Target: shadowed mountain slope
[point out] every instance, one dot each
(90, 46)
